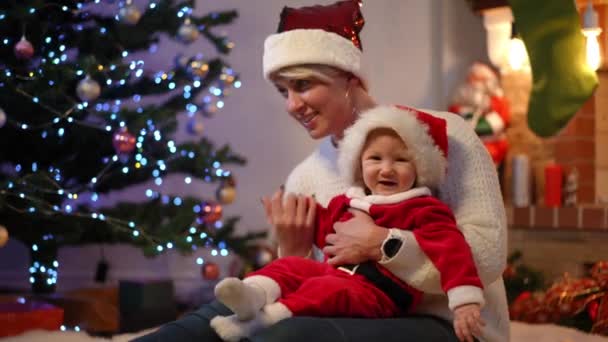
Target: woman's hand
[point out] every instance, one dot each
(293, 221)
(355, 241)
(467, 322)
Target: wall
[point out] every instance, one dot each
(415, 51)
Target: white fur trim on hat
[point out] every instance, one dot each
(310, 46)
(430, 162)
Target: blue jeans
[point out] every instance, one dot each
(195, 327)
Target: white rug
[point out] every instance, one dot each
(520, 332)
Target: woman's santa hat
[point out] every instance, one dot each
(327, 35)
(423, 134)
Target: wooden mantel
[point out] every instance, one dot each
(588, 218)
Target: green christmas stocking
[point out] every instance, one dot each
(562, 81)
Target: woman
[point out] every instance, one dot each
(314, 61)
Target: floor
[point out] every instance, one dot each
(520, 332)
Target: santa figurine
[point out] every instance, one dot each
(481, 101)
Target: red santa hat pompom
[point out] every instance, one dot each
(327, 35)
(422, 133)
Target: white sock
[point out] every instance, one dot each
(232, 329)
(275, 312)
(244, 299)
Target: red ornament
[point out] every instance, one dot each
(508, 272)
(210, 271)
(210, 212)
(343, 18)
(24, 49)
(123, 141)
(601, 323)
(592, 309)
(599, 272)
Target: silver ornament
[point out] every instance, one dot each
(129, 14)
(188, 32)
(88, 89)
(2, 118)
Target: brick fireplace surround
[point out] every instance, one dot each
(559, 240)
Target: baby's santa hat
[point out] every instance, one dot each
(327, 35)
(423, 134)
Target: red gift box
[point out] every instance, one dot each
(16, 318)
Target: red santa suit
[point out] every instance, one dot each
(311, 288)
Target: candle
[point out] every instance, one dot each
(521, 181)
(553, 185)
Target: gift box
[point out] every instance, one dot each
(19, 317)
(146, 304)
(92, 309)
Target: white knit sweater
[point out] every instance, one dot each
(471, 190)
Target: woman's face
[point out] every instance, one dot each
(322, 109)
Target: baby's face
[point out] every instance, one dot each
(386, 164)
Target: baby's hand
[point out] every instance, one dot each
(467, 322)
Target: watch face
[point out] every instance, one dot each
(392, 246)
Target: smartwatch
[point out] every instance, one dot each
(391, 245)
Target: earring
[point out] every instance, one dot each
(347, 98)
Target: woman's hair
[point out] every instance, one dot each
(323, 73)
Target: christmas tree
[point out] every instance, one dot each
(80, 117)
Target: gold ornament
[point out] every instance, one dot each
(129, 14)
(3, 236)
(88, 89)
(226, 194)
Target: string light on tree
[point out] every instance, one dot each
(88, 89)
(198, 67)
(24, 49)
(42, 187)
